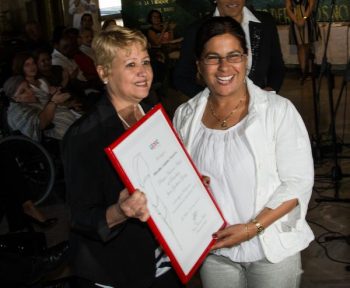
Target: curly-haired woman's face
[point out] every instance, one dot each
(227, 77)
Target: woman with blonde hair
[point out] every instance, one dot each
(111, 243)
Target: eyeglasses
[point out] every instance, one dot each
(231, 58)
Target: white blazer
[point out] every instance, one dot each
(283, 160)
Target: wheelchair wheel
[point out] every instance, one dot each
(34, 162)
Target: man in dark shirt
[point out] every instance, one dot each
(265, 61)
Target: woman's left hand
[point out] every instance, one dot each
(230, 236)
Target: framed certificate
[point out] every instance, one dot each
(150, 157)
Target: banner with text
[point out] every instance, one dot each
(184, 12)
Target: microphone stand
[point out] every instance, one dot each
(336, 174)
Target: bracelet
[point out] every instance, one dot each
(247, 231)
(259, 228)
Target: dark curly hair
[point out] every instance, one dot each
(216, 26)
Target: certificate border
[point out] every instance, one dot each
(117, 165)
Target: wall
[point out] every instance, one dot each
(341, 9)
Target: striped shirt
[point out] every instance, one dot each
(24, 117)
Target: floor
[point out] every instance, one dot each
(326, 259)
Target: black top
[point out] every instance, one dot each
(122, 256)
(267, 61)
(55, 78)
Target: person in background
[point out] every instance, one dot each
(108, 23)
(107, 223)
(57, 78)
(54, 75)
(78, 8)
(86, 22)
(303, 31)
(85, 62)
(24, 64)
(160, 32)
(33, 116)
(261, 172)
(86, 36)
(264, 62)
(63, 55)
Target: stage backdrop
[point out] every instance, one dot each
(185, 12)
(341, 11)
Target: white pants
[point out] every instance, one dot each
(221, 272)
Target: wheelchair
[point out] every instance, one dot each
(34, 161)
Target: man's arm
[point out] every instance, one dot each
(276, 70)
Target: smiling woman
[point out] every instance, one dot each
(108, 223)
(254, 147)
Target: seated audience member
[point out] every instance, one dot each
(63, 55)
(55, 75)
(33, 116)
(65, 51)
(86, 36)
(24, 64)
(85, 58)
(58, 78)
(265, 62)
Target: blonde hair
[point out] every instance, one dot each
(108, 41)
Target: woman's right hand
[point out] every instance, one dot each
(134, 205)
(232, 235)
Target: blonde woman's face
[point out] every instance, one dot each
(130, 76)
